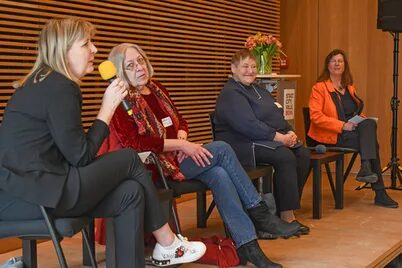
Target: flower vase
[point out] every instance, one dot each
(264, 63)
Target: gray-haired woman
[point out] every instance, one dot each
(47, 158)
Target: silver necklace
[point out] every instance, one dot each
(255, 90)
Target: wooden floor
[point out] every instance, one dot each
(360, 235)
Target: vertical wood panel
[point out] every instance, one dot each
(299, 34)
(351, 26)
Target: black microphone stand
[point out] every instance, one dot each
(393, 165)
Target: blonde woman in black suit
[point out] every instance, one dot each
(46, 157)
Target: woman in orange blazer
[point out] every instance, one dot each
(333, 102)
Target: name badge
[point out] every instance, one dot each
(167, 121)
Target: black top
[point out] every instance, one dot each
(349, 105)
(42, 139)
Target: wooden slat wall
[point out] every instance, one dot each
(189, 43)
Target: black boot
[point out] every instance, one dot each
(384, 200)
(265, 222)
(252, 252)
(365, 173)
(303, 229)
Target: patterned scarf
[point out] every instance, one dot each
(148, 124)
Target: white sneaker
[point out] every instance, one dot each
(181, 251)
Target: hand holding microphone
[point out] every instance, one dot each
(117, 90)
(114, 93)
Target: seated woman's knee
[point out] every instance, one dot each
(369, 123)
(304, 153)
(130, 153)
(220, 146)
(217, 176)
(131, 194)
(285, 155)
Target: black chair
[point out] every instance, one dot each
(184, 187)
(335, 154)
(311, 143)
(29, 231)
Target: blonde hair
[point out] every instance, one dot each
(55, 40)
(118, 54)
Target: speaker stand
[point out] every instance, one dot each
(393, 165)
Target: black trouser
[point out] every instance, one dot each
(364, 139)
(115, 185)
(291, 172)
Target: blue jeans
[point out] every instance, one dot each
(231, 187)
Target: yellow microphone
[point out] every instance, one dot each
(109, 73)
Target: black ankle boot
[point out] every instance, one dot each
(252, 252)
(268, 223)
(365, 173)
(384, 200)
(303, 229)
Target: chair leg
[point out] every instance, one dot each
(90, 247)
(175, 218)
(155, 159)
(330, 179)
(317, 190)
(339, 184)
(210, 209)
(201, 207)
(29, 253)
(86, 257)
(55, 238)
(350, 165)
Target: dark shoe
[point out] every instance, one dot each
(252, 252)
(382, 199)
(303, 229)
(365, 174)
(271, 224)
(266, 236)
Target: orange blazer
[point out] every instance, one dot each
(325, 124)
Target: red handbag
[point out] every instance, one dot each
(221, 252)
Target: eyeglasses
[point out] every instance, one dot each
(134, 64)
(336, 61)
(245, 67)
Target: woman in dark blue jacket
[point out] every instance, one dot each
(248, 118)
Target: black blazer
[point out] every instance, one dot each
(42, 139)
(246, 117)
